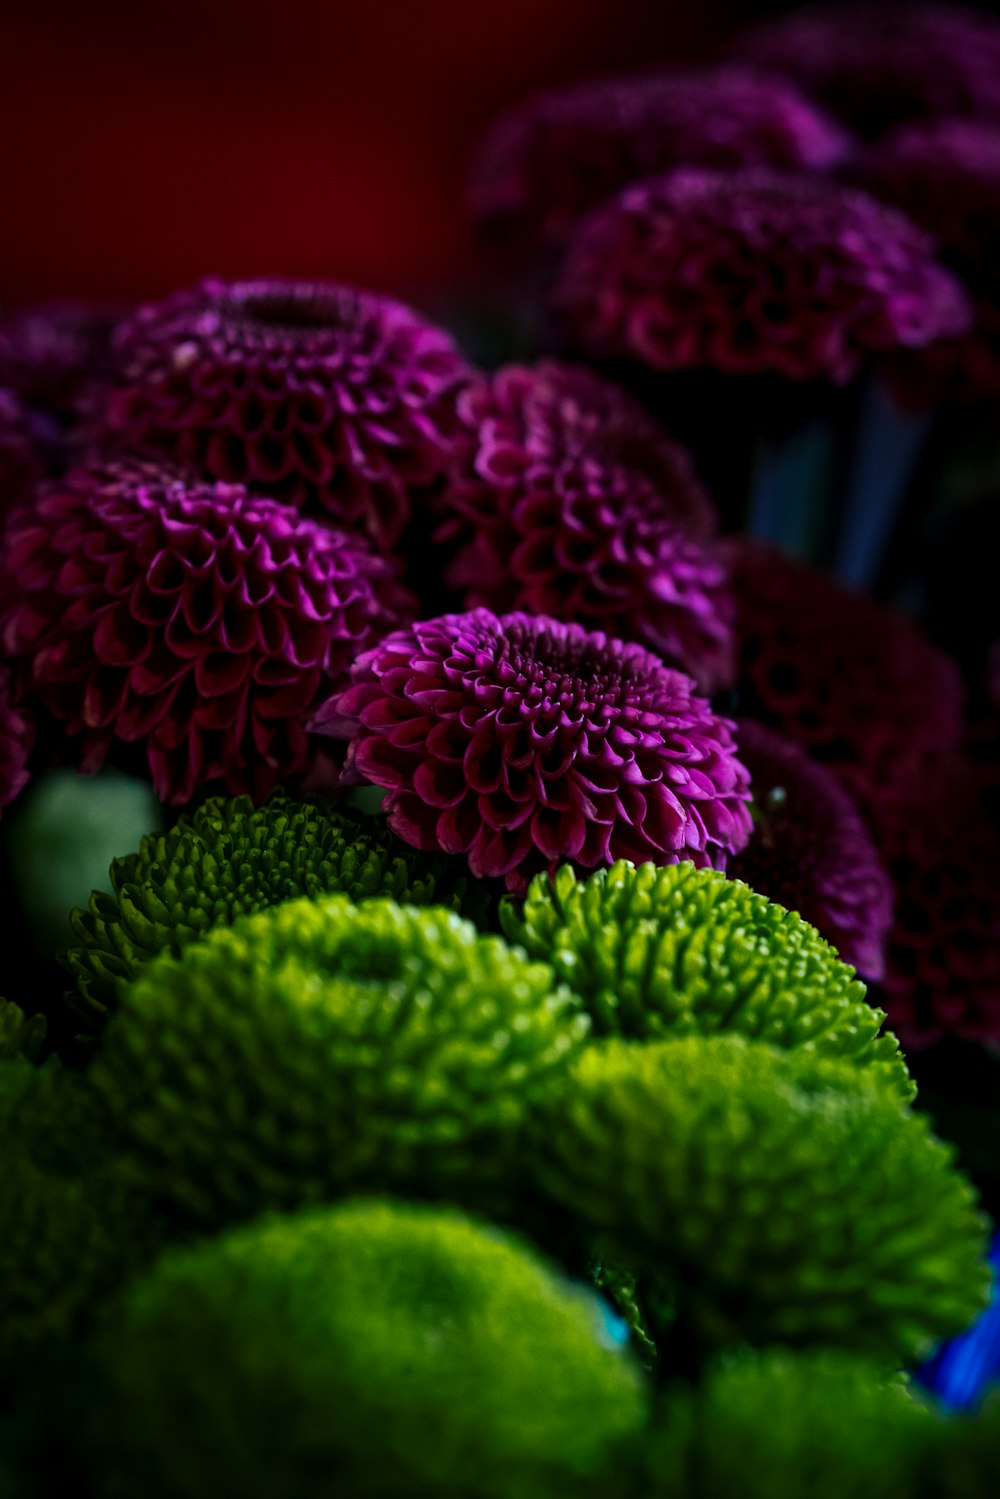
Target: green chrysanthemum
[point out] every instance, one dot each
(371, 1349)
(784, 1197)
(320, 1047)
(19, 1036)
(229, 859)
(680, 951)
(787, 1425)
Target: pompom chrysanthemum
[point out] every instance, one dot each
(753, 272)
(320, 1047)
(570, 501)
(323, 396)
(228, 859)
(679, 951)
(521, 743)
(785, 1198)
(842, 676)
(17, 736)
(190, 617)
(375, 1348)
(876, 65)
(551, 158)
(810, 850)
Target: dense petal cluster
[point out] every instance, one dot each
(318, 1048)
(931, 822)
(323, 396)
(192, 618)
(570, 501)
(375, 1348)
(559, 153)
(229, 859)
(876, 65)
(49, 353)
(681, 951)
(847, 679)
(810, 850)
(786, 1199)
(21, 464)
(754, 271)
(522, 743)
(17, 736)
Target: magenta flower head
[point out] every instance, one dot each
(754, 271)
(850, 681)
(556, 155)
(521, 743)
(810, 850)
(17, 737)
(569, 500)
(875, 65)
(331, 399)
(189, 618)
(49, 353)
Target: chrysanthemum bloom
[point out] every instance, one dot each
(21, 464)
(946, 177)
(228, 859)
(876, 65)
(555, 155)
(848, 680)
(17, 737)
(570, 501)
(679, 951)
(48, 353)
(193, 618)
(810, 850)
(336, 400)
(934, 831)
(522, 743)
(782, 1198)
(752, 271)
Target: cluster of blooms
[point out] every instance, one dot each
(483, 1048)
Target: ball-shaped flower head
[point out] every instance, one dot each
(568, 500)
(559, 153)
(21, 465)
(786, 1198)
(847, 679)
(50, 352)
(374, 1348)
(784, 1425)
(17, 738)
(874, 66)
(320, 1047)
(754, 272)
(193, 619)
(228, 859)
(929, 817)
(328, 398)
(521, 743)
(810, 850)
(682, 951)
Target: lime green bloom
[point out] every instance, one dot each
(19, 1036)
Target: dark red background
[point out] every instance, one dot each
(147, 143)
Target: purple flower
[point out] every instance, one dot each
(810, 851)
(327, 398)
(874, 65)
(754, 271)
(20, 459)
(17, 737)
(847, 679)
(49, 353)
(551, 158)
(190, 618)
(520, 743)
(570, 500)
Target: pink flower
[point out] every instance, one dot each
(17, 737)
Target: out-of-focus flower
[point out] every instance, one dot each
(521, 743)
(17, 736)
(328, 398)
(192, 618)
(49, 353)
(21, 464)
(570, 501)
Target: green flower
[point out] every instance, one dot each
(783, 1197)
(229, 859)
(372, 1349)
(678, 951)
(320, 1047)
(785, 1425)
(19, 1037)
